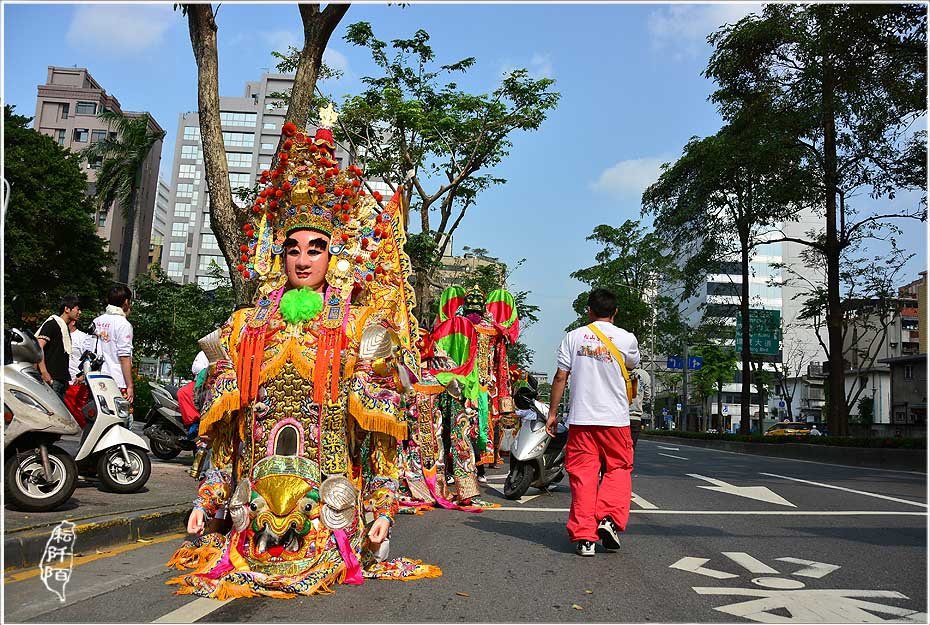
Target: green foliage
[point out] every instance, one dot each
(866, 410)
(719, 366)
(168, 318)
(521, 355)
(51, 247)
(632, 265)
(413, 121)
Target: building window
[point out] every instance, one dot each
(180, 228)
(65, 109)
(175, 269)
(207, 261)
(177, 249)
(239, 139)
(269, 126)
(191, 152)
(238, 159)
(246, 120)
(182, 209)
(60, 136)
(81, 135)
(208, 242)
(96, 136)
(86, 108)
(264, 166)
(185, 190)
(186, 171)
(268, 147)
(192, 133)
(239, 180)
(908, 372)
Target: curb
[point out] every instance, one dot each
(870, 457)
(24, 548)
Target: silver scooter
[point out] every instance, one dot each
(38, 476)
(109, 448)
(536, 459)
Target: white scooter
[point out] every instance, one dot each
(536, 459)
(109, 448)
(37, 475)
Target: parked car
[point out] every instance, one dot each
(791, 428)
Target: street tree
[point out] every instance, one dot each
(122, 156)
(718, 368)
(870, 306)
(168, 318)
(413, 124)
(847, 83)
(634, 264)
(715, 202)
(51, 247)
(227, 217)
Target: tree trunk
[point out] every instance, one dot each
(129, 218)
(746, 355)
(720, 405)
(226, 219)
(762, 397)
(836, 387)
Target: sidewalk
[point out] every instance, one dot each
(105, 519)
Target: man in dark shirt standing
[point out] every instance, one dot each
(55, 341)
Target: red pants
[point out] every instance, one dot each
(189, 412)
(589, 450)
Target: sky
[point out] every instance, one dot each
(630, 77)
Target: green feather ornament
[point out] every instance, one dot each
(300, 305)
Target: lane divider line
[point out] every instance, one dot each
(672, 456)
(848, 490)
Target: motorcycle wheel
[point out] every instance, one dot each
(116, 476)
(518, 480)
(26, 487)
(163, 451)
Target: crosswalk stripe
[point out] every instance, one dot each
(193, 611)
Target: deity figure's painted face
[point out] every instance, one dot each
(306, 259)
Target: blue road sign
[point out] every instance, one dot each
(677, 362)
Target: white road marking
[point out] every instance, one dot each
(814, 569)
(749, 563)
(522, 499)
(916, 474)
(848, 490)
(760, 493)
(696, 565)
(642, 503)
(671, 456)
(668, 448)
(799, 513)
(497, 478)
(192, 612)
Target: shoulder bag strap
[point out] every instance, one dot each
(617, 356)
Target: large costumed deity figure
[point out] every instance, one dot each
(303, 410)
(497, 326)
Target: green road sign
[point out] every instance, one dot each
(764, 331)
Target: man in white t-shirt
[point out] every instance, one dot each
(599, 451)
(115, 339)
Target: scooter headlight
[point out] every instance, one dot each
(122, 411)
(29, 401)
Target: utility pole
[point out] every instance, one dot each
(684, 384)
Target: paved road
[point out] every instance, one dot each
(713, 537)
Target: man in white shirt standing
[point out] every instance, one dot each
(115, 339)
(599, 424)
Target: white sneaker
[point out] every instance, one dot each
(482, 479)
(610, 538)
(584, 548)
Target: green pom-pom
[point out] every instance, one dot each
(301, 305)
